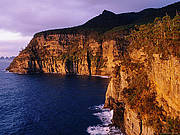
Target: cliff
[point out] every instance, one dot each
(66, 54)
(151, 108)
(145, 87)
(143, 62)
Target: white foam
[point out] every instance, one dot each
(106, 128)
(101, 76)
(96, 107)
(7, 72)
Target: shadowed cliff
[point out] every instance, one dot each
(108, 20)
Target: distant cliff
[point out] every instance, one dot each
(66, 54)
(143, 62)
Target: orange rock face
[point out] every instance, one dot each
(164, 74)
(65, 54)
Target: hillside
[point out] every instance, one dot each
(108, 20)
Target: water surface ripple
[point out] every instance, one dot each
(48, 104)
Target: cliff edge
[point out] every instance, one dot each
(145, 88)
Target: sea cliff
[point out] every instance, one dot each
(142, 61)
(65, 54)
(151, 108)
(145, 86)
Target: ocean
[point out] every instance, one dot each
(51, 104)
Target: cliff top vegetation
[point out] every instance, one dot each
(108, 20)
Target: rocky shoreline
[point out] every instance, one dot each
(143, 68)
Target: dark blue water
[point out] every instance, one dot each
(48, 104)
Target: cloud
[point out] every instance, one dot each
(12, 48)
(12, 42)
(30, 16)
(26, 17)
(12, 36)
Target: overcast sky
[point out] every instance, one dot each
(20, 19)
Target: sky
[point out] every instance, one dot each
(21, 19)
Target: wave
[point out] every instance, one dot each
(106, 128)
(7, 72)
(101, 76)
